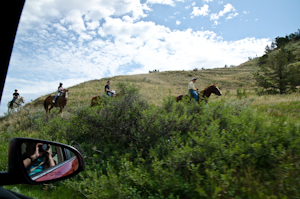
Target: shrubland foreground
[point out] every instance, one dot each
(136, 149)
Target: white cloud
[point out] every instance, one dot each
(92, 25)
(123, 31)
(165, 2)
(38, 13)
(220, 2)
(203, 11)
(227, 8)
(178, 22)
(245, 12)
(60, 28)
(230, 16)
(207, 1)
(84, 36)
(216, 23)
(74, 21)
(214, 16)
(195, 49)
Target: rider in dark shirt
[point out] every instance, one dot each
(15, 96)
(106, 88)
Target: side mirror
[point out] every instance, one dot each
(34, 161)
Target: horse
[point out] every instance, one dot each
(60, 102)
(16, 104)
(204, 94)
(97, 97)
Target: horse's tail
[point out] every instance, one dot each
(95, 98)
(179, 97)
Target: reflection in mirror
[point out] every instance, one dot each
(45, 162)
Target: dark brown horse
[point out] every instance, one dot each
(97, 97)
(60, 102)
(204, 94)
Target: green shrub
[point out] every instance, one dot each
(133, 149)
(184, 150)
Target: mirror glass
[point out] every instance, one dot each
(43, 161)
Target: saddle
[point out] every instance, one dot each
(191, 96)
(12, 102)
(53, 96)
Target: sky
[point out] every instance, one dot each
(74, 41)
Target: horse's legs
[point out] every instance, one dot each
(50, 108)
(46, 107)
(61, 109)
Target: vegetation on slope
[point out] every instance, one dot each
(133, 149)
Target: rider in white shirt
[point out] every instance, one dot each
(192, 89)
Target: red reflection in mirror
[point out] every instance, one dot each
(65, 169)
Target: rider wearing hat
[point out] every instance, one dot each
(192, 89)
(60, 91)
(15, 96)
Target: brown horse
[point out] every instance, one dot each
(97, 97)
(94, 100)
(60, 102)
(204, 94)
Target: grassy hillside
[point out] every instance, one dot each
(154, 87)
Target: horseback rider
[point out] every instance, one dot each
(60, 91)
(107, 89)
(192, 89)
(15, 96)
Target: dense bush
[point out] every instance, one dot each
(133, 149)
(182, 150)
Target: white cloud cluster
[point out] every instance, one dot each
(227, 8)
(73, 12)
(203, 11)
(118, 43)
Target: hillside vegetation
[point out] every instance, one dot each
(145, 145)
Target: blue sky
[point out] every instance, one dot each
(73, 41)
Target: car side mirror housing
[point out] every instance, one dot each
(35, 161)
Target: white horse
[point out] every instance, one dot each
(16, 104)
(113, 93)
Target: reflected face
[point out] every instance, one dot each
(45, 162)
